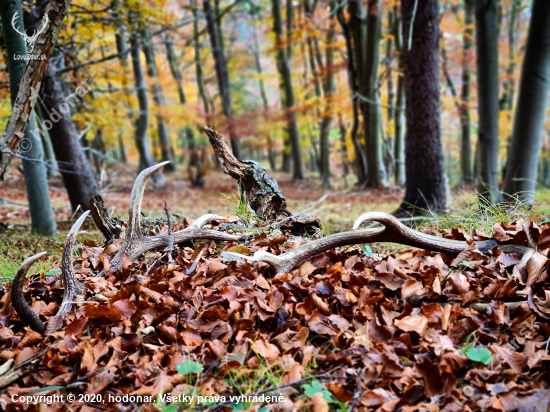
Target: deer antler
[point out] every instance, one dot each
(392, 230)
(16, 28)
(135, 243)
(72, 286)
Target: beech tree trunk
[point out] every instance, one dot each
(222, 73)
(158, 98)
(487, 91)
(465, 122)
(360, 159)
(77, 173)
(261, 86)
(141, 135)
(328, 91)
(399, 129)
(283, 65)
(425, 186)
(531, 109)
(36, 183)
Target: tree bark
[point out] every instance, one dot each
(30, 82)
(77, 173)
(464, 113)
(158, 98)
(283, 64)
(360, 160)
(36, 183)
(522, 164)
(174, 67)
(141, 136)
(425, 186)
(222, 72)
(487, 91)
(328, 91)
(261, 86)
(399, 130)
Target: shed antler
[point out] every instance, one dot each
(71, 285)
(392, 230)
(135, 243)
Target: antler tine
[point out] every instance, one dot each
(25, 312)
(135, 244)
(205, 219)
(134, 218)
(71, 285)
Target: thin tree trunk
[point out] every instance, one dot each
(399, 130)
(198, 66)
(283, 63)
(531, 109)
(158, 98)
(174, 67)
(122, 150)
(120, 36)
(328, 91)
(141, 136)
(77, 173)
(464, 113)
(36, 183)
(222, 72)
(261, 85)
(425, 187)
(487, 91)
(360, 159)
(376, 175)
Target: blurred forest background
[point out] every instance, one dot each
(352, 105)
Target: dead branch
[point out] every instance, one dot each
(30, 83)
(260, 191)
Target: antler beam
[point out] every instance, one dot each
(135, 244)
(392, 231)
(72, 286)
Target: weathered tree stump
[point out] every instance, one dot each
(261, 191)
(108, 227)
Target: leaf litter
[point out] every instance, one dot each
(348, 330)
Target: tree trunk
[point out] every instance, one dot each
(141, 136)
(464, 113)
(425, 186)
(531, 109)
(283, 64)
(360, 159)
(399, 130)
(174, 67)
(261, 85)
(328, 91)
(158, 98)
(77, 173)
(36, 183)
(487, 91)
(198, 66)
(222, 72)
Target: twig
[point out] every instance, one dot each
(412, 25)
(194, 265)
(170, 247)
(357, 394)
(154, 264)
(325, 375)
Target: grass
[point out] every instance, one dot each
(469, 213)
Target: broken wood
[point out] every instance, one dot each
(261, 191)
(107, 226)
(30, 84)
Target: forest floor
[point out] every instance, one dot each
(342, 332)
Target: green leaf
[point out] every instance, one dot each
(237, 406)
(188, 366)
(315, 387)
(482, 355)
